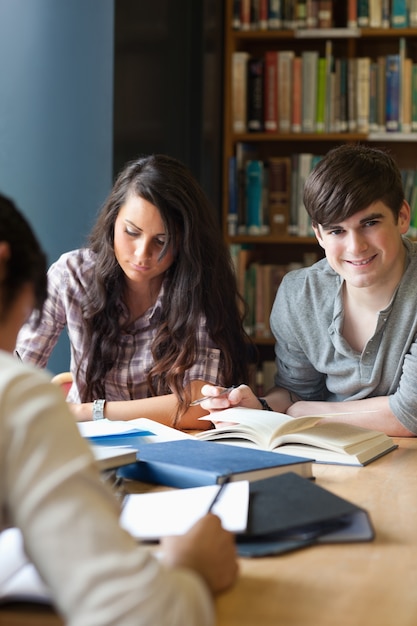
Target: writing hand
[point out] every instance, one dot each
(238, 396)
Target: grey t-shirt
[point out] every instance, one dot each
(313, 359)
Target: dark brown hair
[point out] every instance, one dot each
(201, 282)
(350, 178)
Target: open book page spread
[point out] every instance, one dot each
(150, 516)
(315, 436)
(259, 426)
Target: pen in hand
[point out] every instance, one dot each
(222, 393)
(225, 481)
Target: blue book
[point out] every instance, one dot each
(392, 114)
(254, 196)
(190, 463)
(399, 14)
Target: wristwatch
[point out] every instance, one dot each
(98, 409)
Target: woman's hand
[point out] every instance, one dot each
(239, 396)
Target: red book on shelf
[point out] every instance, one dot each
(271, 92)
(352, 14)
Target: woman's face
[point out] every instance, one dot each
(139, 236)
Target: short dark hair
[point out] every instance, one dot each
(27, 262)
(350, 178)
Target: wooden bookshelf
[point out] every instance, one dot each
(347, 43)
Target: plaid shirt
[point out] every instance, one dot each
(69, 279)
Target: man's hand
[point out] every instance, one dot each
(207, 549)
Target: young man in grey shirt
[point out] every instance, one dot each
(346, 327)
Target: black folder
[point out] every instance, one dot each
(288, 512)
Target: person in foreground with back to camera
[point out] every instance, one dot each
(50, 488)
(346, 327)
(151, 306)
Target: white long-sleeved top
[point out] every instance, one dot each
(51, 489)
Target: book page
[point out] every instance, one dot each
(260, 427)
(150, 516)
(148, 430)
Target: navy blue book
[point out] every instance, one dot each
(191, 463)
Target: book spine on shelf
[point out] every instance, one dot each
(297, 82)
(309, 89)
(312, 13)
(255, 95)
(363, 13)
(275, 14)
(352, 13)
(301, 13)
(406, 96)
(245, 14)
(373, 95)
(254, 14)
(375, 13)
(254, 196)
(285, 60)
(321, 96)
(236, 24)
(239, 91)
(385, 11)
(304, 169)
(414, 98)
(393, 92)
(263, 14)
(351, 81)
(279, 194)
(325, 17)
(329, 105)
(232, 215)
(412, 13)
(363, 79)
(245, 152)
(289, 15)
(270, 92)
(382, 93)
(399, 14)
(341, 63)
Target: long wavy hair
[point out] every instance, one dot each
(27, 261)
(200, 282)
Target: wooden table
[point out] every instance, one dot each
(362, 584)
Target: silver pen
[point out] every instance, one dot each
(222, 393)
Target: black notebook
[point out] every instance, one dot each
(288, 512)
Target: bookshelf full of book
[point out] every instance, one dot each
(301, 77)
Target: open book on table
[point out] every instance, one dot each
(317, 438)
